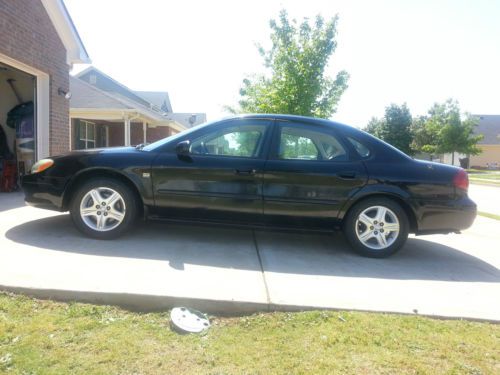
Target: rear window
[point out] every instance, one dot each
(361, 149)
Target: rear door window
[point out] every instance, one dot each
(309, 143)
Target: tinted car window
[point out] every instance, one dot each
(300, 143)
(361, 149)
(241, 140)
(171, 139)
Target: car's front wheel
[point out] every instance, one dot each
(103, 208)
(376, 227)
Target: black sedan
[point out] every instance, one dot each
(259, 170)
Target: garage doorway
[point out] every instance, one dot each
(24, 120)
(17, 117)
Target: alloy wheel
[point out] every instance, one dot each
(377, 227)
(102, 209)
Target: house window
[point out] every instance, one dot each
(86, 135)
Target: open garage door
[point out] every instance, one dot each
(18, 120)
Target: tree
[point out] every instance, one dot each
(420, 134)
(394, 128)
(374, 127)
(449, 132)
(296, 82)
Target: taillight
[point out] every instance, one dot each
(461, 180)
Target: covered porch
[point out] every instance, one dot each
(95, 129)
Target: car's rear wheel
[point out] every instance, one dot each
(376, 227)
(103, 208)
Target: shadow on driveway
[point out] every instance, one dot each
(307, 254)
(8, 201)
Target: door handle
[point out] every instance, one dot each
(245, 172)
(347, 175)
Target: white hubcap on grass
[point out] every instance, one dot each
(102, 209)
(377, 227)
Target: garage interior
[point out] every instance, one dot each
(17, 125)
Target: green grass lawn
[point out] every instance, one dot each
(478, 175)
(44, 337)
(488, 215)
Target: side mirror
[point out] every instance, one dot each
(183, 147)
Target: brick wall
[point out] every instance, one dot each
(136, 134)
(116, 135)
(155, 134)
(27, 35)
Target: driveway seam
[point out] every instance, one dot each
(256, 244)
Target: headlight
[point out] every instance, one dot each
(41, 165)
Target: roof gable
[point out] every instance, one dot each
(88, 96)
(157, 98)
(58, 14)
(102, 81)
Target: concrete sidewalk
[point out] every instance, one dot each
(230, 271)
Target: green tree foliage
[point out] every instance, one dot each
(420, 134)
(446, 131)
(374, 127)
(296, 147)
(296, 63)
(246, 142)
(394, 128)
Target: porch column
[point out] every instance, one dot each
(126, 131)
(144, 131)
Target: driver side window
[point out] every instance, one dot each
(300, 143)
(240, 141)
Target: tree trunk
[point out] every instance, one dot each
(453, 158)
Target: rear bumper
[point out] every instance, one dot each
(445, 217)
(38, 192)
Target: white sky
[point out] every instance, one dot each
(417, 52)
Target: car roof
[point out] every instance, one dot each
(272, 116)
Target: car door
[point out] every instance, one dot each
(221, 176)
(310, 174)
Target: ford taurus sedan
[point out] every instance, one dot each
(262, 171)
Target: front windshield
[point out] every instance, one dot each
(153, 146)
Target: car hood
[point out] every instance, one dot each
(107, 150)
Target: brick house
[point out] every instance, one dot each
(106, 113)
(38, 46)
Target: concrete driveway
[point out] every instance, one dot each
(230, 271)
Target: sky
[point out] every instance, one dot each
(396, 51)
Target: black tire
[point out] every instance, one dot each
(350, 227)
(129, 208)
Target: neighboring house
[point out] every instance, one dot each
(38, 46)
(489, 127)
(105, 113)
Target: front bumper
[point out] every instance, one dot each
(445, 217)
(43, 192)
